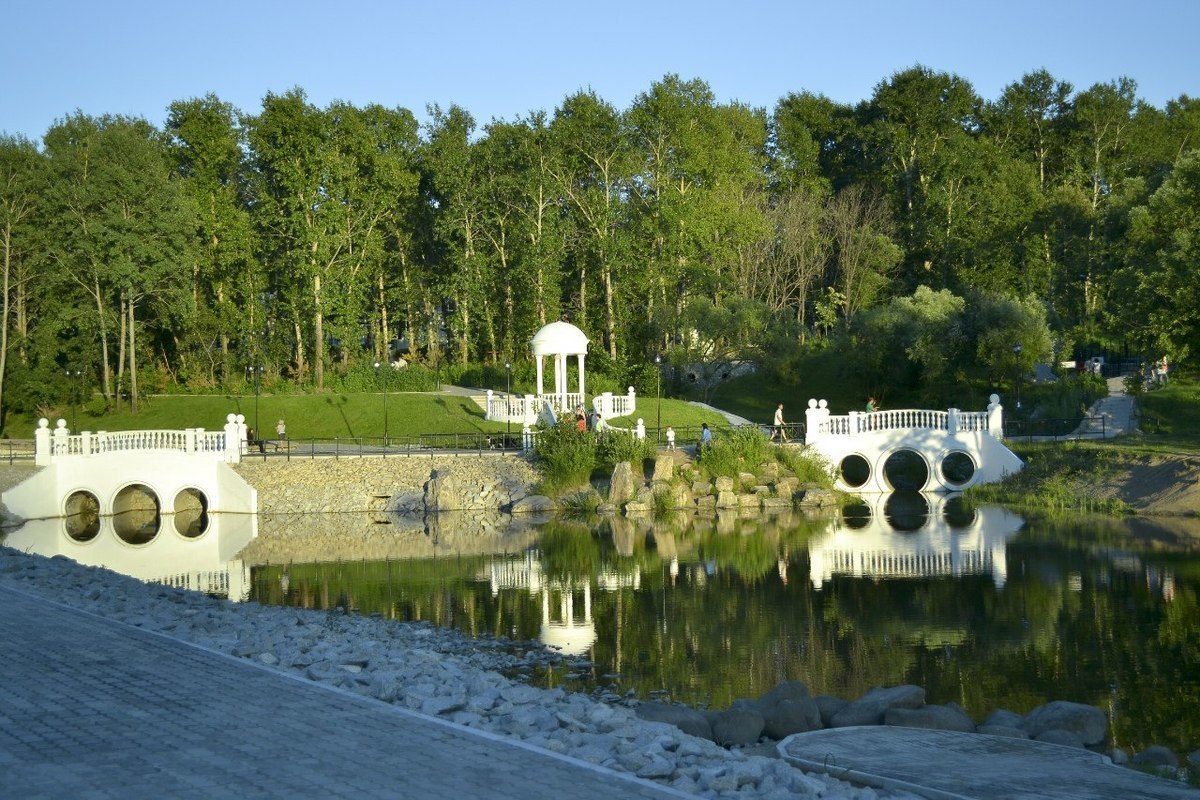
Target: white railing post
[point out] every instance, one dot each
(488, 405)
(526, 438)
(61, 435)
(233, 439)
(995, 416)
(529, 410)
(41, 440)
(855, 422)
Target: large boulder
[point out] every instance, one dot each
(872, 706)
(532, 504)
(829, 706)
(939, 718)
(1088, 722)
(664, 466)
(1156, 756)
(737, 726)
(784, 717)
(688, 720)
(442, 492)
(622, 487)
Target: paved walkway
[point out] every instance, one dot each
(91, 708)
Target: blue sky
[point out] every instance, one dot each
(505, 59)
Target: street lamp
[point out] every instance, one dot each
(73, 376)
(1016, 348)
(658, 393)
(385, 394)
(255, 373)
(508, 402)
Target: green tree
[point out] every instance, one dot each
(222, 306)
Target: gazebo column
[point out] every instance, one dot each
(539, 376)
(561, 371)
(582, 394)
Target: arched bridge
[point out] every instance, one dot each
(929, 451)
(134, 472)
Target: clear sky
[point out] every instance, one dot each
(505, 58)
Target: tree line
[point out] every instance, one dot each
(309, 242)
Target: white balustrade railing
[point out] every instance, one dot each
(821, 424)
(225, 445)
(500, 407)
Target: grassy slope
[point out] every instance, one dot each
(333, 415)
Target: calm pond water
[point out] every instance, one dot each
(980, 606)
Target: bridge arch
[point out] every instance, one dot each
(904, 468)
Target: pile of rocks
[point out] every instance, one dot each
(677, 479)
(789, 709)
(430, 670)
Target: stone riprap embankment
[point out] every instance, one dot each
(431, 670)
(411, 484)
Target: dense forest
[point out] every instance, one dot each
(925, 231)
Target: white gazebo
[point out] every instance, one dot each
(560, 340)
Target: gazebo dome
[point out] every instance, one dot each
(559, 338)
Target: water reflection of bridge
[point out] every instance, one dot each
(201, 556)
(910, 535)
(564, 627)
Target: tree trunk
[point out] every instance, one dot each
(133, 385)
(318, 337)
(106, 378)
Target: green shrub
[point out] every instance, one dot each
(613, 447)
(566, 456)
(807, 465)
(743, 449)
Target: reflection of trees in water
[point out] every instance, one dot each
(737, 614)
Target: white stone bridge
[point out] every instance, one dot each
(929, 451)
(109, 474)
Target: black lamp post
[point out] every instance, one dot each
(256, 374)
(73, 375)
(1016, 348)
(385, 394)
(658, 393)
(508, 402)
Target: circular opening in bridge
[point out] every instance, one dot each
(855, 470)
(191, 513)
(856, 515)
(957, 468)
(82, 516)
(906, 470)
(906, 510)
(958, 512)
(136, 514)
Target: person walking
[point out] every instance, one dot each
(705, 436)
(670, 438)
(778, 429)
(280, 430)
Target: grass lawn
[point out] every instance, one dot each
(326, 416)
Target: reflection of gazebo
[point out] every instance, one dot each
(560, 340)
(568, 634)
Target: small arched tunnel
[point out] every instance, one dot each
(906, 470)
(136, 510)
(82, 512)
(191, 513)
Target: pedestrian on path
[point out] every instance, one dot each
(778, 430)
(670, 438)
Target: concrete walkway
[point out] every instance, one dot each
(946, 765)
(1118, 412)
(91, 708)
